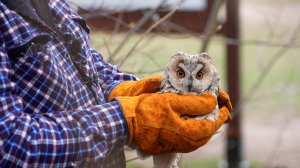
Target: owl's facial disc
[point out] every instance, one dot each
(190, 74)
(187, 76)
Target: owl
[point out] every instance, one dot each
(188, 74)
(191, 74)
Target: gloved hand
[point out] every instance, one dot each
(224, 101)
(156, 123)
(135, 88)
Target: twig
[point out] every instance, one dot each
(138, 25)
(279, 141)
(210, 26)
(180, 29)
(150, 56)
(149, 30)
(129, 160)
(117, 24)
(145, 72)
(244, 100)
(107, 48)
(261, 42)
(106, 15)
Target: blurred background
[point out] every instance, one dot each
(255, 46)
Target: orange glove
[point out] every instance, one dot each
(156, 123)
(135, 88)
(224, 101)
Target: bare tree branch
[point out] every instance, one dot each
(107, 47)
(149, 30)
(117, 24)
(138, 25)
(211, 25)
(145, 72)
(245, 99)
(117, 20)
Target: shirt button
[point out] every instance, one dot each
(73, 164)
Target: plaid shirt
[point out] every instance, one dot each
(49, 117)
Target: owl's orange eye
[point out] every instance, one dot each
(180, 73)
(199, 75)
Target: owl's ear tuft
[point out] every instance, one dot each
(179, 54)
(205, 56)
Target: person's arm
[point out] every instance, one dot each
(110, 75)
(56, 139)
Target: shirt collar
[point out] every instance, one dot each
(23, 7)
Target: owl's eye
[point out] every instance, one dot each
(180, 73)
(199, 75)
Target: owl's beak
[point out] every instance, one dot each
(190, 84)
(190, 87)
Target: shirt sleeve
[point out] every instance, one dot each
(110, 75)
(57, 139)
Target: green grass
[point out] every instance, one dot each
(209, 163)
(203, 163)
(214, 163)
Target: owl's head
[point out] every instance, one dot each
(190, 73)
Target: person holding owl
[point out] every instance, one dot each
(62, 105)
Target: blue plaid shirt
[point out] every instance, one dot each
(49, 117)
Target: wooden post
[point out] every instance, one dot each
(234, 139)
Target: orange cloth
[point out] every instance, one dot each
(155, 121)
